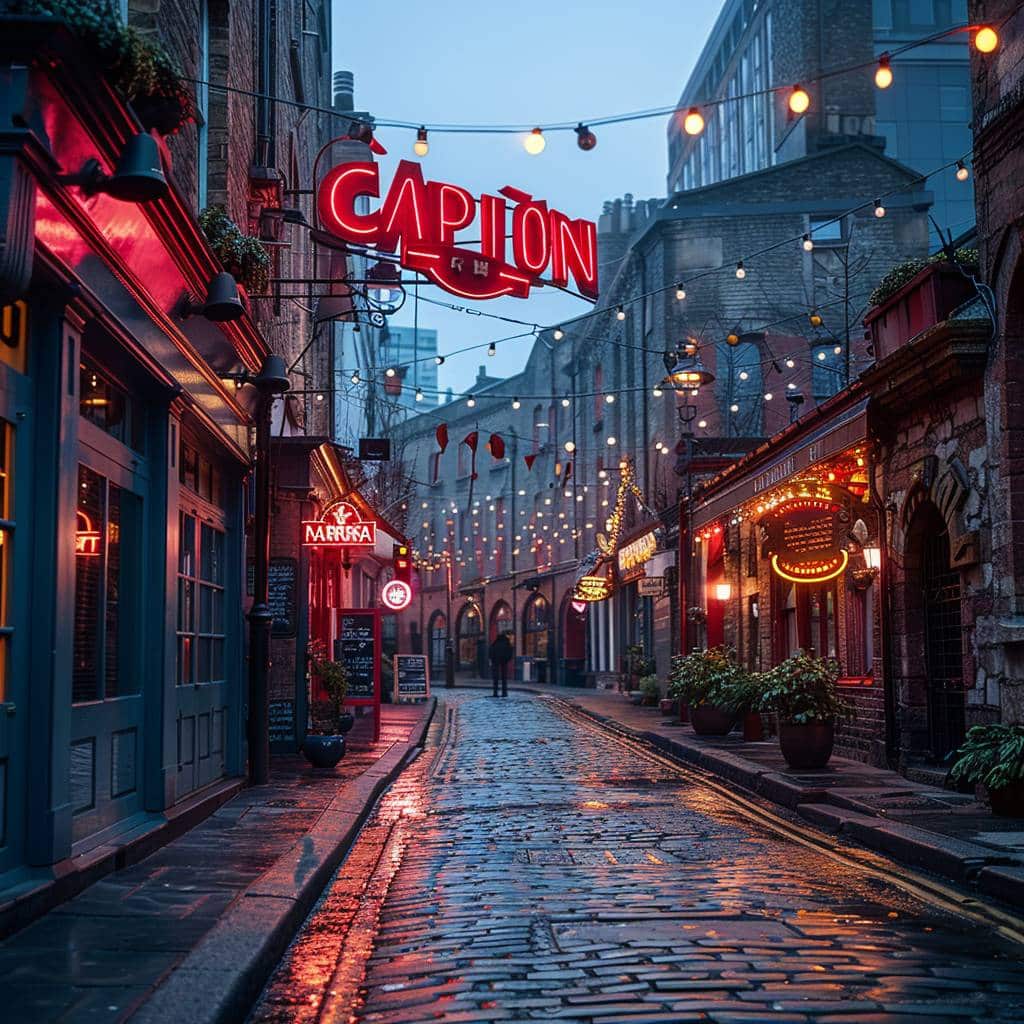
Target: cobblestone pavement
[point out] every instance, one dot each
(530, 869)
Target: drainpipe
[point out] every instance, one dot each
(264, 85)
(892, 728)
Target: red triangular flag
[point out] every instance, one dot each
(497, 446)
(567, 474)
(442, 436)
(529, 460)
(470, 440)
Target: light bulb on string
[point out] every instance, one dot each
(702, 424)
(693, 123)
(768, 396)
(356, 378)
(439, 360)
(610, 441)
(741, 271)
(808, 243)
(390, 372)
(734, 407)
(534, 142)
(609, 399)
(744, 375)
(558, 334)
(585, 138)
(565, 403)
(883, 73)
(657, 392)
(799, 100)
(570, 446)
(962, 173)
(986, 39)
(620, 313)
(470, 402)
(419, 394)
(790, 363)
(879, 209)
(492, 349)
(320, 396)
(821, 355)
(421, 147)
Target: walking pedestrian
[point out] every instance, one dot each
(501, 653)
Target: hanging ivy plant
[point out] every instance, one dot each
(242, 256)
(906, 271)
(138, 68)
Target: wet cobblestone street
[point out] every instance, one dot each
(528, 868)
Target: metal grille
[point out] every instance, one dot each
(943, 647)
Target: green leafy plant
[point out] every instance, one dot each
(906, 271)
(707, 677)
(137, 67)
(650, 689)
(242, 256)
(802, 689)
(333, 676)
(992, 755)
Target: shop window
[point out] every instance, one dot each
(108, 590)
(790, 634)
(6, 549)
(109, 406)
(470, 631)
(200, 602)
(199, 475)
(808, 620)
(501, 620)
(536, 627)
(14, 335)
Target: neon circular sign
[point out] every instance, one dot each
(396, 595)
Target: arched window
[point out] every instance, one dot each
(437, 638)
(536, 627)
(501, 620)
(470, 630)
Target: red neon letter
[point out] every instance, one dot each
(451, 208)
(404, 213)
(574, 250)
(336, 201)
(492, 227)
(531, 247)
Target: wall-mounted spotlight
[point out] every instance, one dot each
(222, 304)
(137, 178)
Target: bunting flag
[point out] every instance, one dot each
(470, 441)
(497, 446)
(529, 460)
(442, 436)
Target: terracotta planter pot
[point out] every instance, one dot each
(1008, 801)
(807, 747)
(753, 728)
(707, 720)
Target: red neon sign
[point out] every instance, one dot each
(340, 526)
(424, 216)
(87, 540)
(396, 595)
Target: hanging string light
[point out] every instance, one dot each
(680, 292)
(565, 402)
(799, 100)
(808, 243)
(356, 378)
(657, 392)
(439, 360)
(492, 349)
(390, 372)
(620, 313)
(516, 403)
(471, 401)
(883, 73)
(879, 209)
(693, 123)
(585, 138)
(986, 39)
(962, 173)
(419, 394)
(741, 271)
(421, 147)
(558, 334)
(534, 142)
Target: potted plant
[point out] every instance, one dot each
(702, 680)
(324, 746)
(244, 257)
(651, 691)
(993, 755)
(801, 692)
(743, 694)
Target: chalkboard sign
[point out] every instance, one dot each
(282, 721)
(355, 647)
(412, 677)
(281, 575)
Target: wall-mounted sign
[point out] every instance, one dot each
(374, 449)
(396, 595)
(636, 552)
(340, 526)
(592, 588)
(651, 586)
(423, 218)
(806, 535)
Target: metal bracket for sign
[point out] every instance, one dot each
(373, 701)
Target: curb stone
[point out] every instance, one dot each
(221, 977)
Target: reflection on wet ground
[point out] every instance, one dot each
(531, 869)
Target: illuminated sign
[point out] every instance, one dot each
(340, 526)
(636, 552)
(592, 588)
(806, 535)
(423, 217)
(87, 540)
(396, 595)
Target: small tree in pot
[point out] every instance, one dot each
(705, 681)
(801, 692)
(324, 746)
(993, 756)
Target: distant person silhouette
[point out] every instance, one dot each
(501, 654)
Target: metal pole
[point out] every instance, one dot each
(259, 615)
(449, 648)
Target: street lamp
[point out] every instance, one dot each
(688, 373)
(271, 381)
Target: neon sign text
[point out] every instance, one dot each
(340, 526)
(423, 218)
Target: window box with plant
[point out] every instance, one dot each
(140, 69)
(801, 692)
(709, 683)
(993, 756)
(243, 256)
(324, 745)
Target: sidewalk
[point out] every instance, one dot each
(950, 834)
(99, 956)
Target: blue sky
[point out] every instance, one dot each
(447, 61)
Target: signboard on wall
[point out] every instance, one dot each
(806, 536)
(282, 721)
(340, 525)
(281, 577)
(634, 554)
(592, 588)
(357, 647)
(651, 586)
(412, 677)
